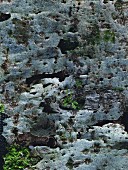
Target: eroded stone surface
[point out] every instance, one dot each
(52, 52)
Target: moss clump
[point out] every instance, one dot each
(118, 89)
(69, 164)
(1, 108)
(18, 158)
(94, 37)
(118, 5)
(22, 30)
(109, 36)
(78, 83)
(63, 137)
(70, 102)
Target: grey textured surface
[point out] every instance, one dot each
(53, 49)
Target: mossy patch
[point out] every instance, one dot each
(69, 164)
(22, 30)
(109, 36)
(18, 158)
(1, 108)
(69, 101)
(120, 89)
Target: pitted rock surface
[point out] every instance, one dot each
(67, 51)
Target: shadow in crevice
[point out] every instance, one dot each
(36, 78)
(104, 122)
(4, 17)
(124, 119)
(67, 45)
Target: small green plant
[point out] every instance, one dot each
(118, 88)
(63, 137)
(96, 36)
(18, 158)
(1, 108)
(75, 105)
(109, 36)
(69, 101)
(78, 83)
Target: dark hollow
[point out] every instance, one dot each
(104, 122)
(61, 75)
(51, 142)
(124, 120)
(67, 45)
(4, 17)
(46, 107)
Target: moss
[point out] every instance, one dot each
(1, 108)
(22, 30)
(78, 83)
(69, 101)
(18, 158)
(63, 137)
(109, 36)
(70, 139)
(114, 16)
(118, 4)
(69, 164)
(10, 33)
(118, 89)
(94, 37)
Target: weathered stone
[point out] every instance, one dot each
(66, 62)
